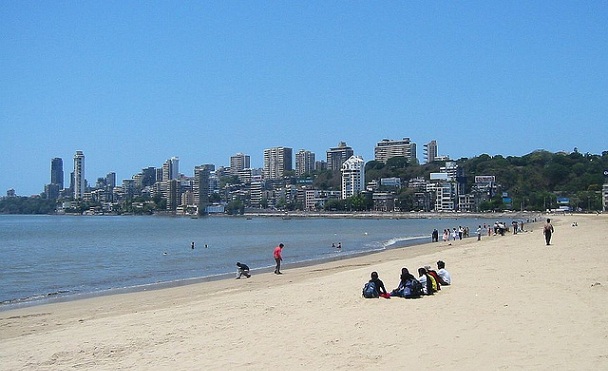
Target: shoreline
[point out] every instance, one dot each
(68, 297)
(416, 244)
(504, 310)
(55, 297)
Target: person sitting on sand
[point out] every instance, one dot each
(432, 273)
(429, 285)
(408, 285)
(378, 284)
(243, 270)
(443, 273)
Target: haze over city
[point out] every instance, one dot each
(134, 84)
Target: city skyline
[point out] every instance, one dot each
(132, 85)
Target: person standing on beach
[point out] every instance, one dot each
(435, 235)
(548, 231)
(479, 233)
(278, 257)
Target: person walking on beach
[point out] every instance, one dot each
(479, 233)
(548, 231)
(278, 258)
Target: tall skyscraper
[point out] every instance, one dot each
(57, 172)
(305, 162)
(79, 180)
(387, 149)
(171, 169)
(202, 187)
(337, 155)
(239, 162)
(430, 151)
(353, 176)
(277, 161)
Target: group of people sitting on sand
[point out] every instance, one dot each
(428, 282)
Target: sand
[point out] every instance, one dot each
(514, 304)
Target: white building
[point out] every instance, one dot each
(353, 176)
(387, 149)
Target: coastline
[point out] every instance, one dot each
(44, 297)
(505, 310)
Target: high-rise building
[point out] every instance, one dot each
(171, 169)
(239, 162)
(202, 186)
(277, 161)
(387, 149)
(305, 162)
(57, 172)
(337, 155)
(430, 151)
(79, 180)
(353, 176)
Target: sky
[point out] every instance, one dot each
(134, 83)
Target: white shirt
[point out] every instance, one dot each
(422, 280)
(445, 276)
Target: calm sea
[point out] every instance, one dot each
(58, 257)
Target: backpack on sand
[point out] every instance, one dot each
(369, 290)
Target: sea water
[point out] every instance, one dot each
(54, 257)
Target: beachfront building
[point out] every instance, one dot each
(384, 201)
(277, 161)
(353, 176)
(387, 149)
(239, 162)
(430, 151)
(315, 199)
(79, 181)
(305, 162)
(336, 156)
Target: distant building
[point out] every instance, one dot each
(338, 155)
(390, 182)
(201, 187)
(430, 151)
(277, 161)
(170, 169)
(387, 149)
(353, 176)
(79, 180)
(305, 162)
(239, 162)
(57, 172)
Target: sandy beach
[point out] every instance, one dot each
(514, 304)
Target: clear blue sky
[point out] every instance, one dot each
(133, 83)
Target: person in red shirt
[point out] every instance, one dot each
(278, 258)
